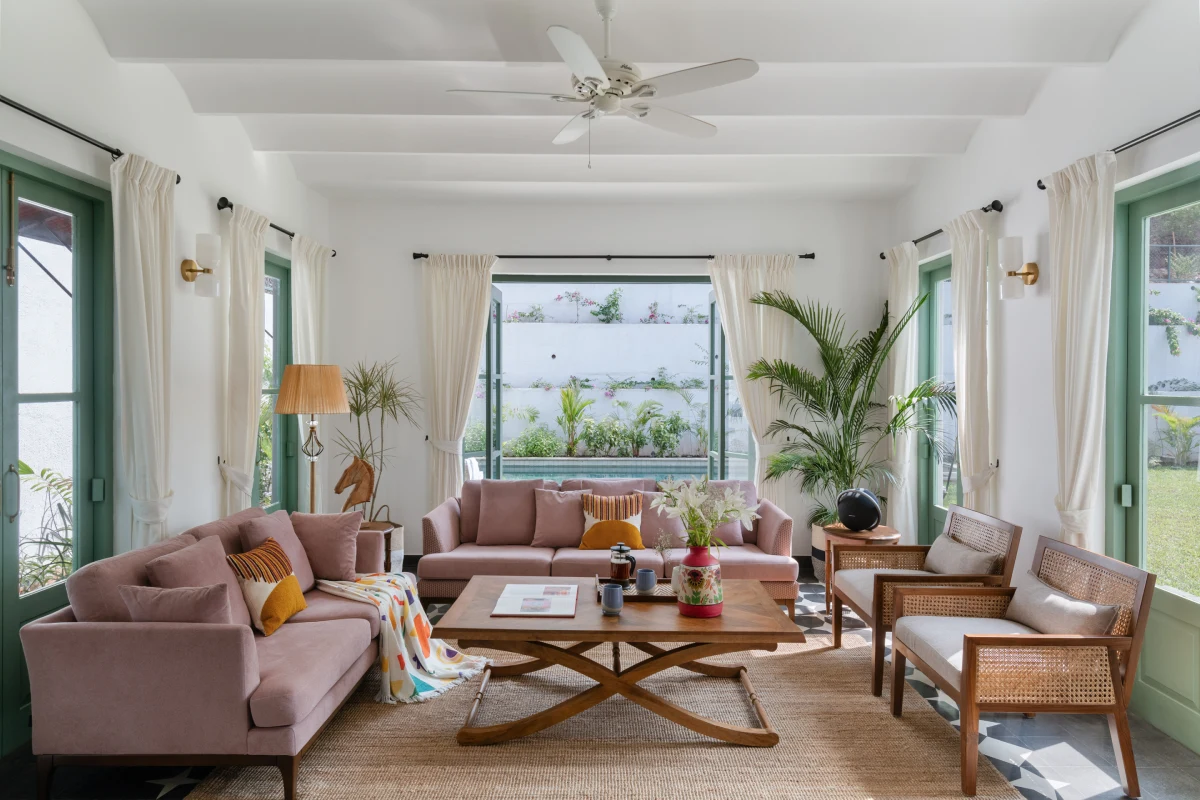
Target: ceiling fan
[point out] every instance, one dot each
(611, 86)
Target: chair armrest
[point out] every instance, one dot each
(867, 556)
(1062, 672)
(774, 529)
(951, 601)
(886, 587)
(369, 558)
(440, 528)
(133, 688)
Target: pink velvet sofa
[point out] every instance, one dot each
(107, 690)
(452, 555)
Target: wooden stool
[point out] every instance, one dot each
(840, 534)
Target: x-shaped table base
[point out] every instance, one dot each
(617, 681)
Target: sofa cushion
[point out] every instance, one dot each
(1047, 610)
(468, 560)
(571, 562)
(202, 564)
(299, 664)
(322, 606)
(330, 542)
(507, 512)
(228, 529)
(608, 487)
(468, 511)
(656, 523)
(859, 584)
(278, 526)
(949, 557)
(938, 641)
(747, 562)
(559, 521)
(208, 604)
(93, 590)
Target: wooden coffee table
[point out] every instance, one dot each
(750, 621)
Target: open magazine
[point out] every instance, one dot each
(537, 600)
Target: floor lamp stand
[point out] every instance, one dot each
(312, 450)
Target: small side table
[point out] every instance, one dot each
(387, 529)
(839, 534)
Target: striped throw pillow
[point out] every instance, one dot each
(611, 520)
(269, 585)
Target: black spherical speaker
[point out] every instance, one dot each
(859, 510)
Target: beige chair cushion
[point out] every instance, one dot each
(938, 641)
(1047, 610)
(948, 557)
(859, 584)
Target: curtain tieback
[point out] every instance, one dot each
(1074, 521)
(450, 446)
(151, 512)
(236, 478)
(973, 483)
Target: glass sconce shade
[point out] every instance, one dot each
(1012, 253)
(1012, 287)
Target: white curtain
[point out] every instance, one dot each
(143, 239)
(310, 260)
(458, 296)
(969, 285)
(1081, 248)
(245, 241)
(753, 332)
(904, 284)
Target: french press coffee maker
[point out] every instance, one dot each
(622, 564)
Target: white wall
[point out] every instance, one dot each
(375, 293)
(1152, 78)
(52, 59)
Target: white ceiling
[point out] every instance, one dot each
(851, 100)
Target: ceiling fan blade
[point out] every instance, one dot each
(672, 121)
(561, 98)
(577, 126)
(579, 57)
(694, 79)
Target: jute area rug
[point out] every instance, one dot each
(837, 741)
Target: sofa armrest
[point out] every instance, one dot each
(774, 529)
(370, 555)
(135, 688)
(440, 528)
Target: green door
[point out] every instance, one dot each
(939, 482)
(731, 452)
(53, 458)
(275, 478)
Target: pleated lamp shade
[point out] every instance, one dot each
(312, 389)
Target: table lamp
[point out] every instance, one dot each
(312, 389)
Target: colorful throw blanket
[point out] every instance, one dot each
(415, 666)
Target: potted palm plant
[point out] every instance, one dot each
(839, 430)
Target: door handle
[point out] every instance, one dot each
(12, 470)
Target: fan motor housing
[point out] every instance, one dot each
(622, 75)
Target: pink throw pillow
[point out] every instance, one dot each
(615, 487)
(200, 564)
(330, 541)
(278, 526)
(507, 512)
(186, 604)
(559, 520)
(732, 533)
(655, 523)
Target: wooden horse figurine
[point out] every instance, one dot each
(361, 476)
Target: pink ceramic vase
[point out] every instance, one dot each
(700, 593)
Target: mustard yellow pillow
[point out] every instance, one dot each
(608, 532)
(611, 520)
(269, 585)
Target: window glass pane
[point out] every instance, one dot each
(1173, 298)
(45, 318)
(737, 435)
(272, 355)
(267, 450)
(946, 491)
(46, 436)
(1173, 496)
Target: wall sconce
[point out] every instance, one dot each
(1015, 274)
(203, 271)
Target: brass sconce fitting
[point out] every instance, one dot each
(190, 269)
(1028, 273)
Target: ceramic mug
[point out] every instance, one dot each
(647, 579)
(612, 599)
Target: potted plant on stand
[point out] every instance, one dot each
(701, 509)
(841, 441)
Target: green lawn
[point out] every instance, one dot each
(1173, 528)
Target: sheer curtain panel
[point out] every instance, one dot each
(143, 196)
(1081, 201)
(458, 295)
(904, 284)
(310, 261)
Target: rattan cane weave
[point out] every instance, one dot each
(978, 535)
(877, 558)
(887, 613)
(932, 605)
(1044, 675)
(1093, 583)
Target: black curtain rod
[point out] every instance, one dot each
(24, 109)
(223, 203)
(995, 205)
(1145, 137)
(610, 258)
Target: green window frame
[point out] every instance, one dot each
(283, 429)
(931, 517)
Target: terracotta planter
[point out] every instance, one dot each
(700, 592)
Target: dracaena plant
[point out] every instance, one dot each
(837, 436)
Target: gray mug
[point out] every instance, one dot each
(647, 579)
(612, 599)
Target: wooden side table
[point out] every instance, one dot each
(387, 529)
(839, 534)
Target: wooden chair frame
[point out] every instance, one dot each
(1099, 680)
(879, 618)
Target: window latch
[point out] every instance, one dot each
(1125, 495)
